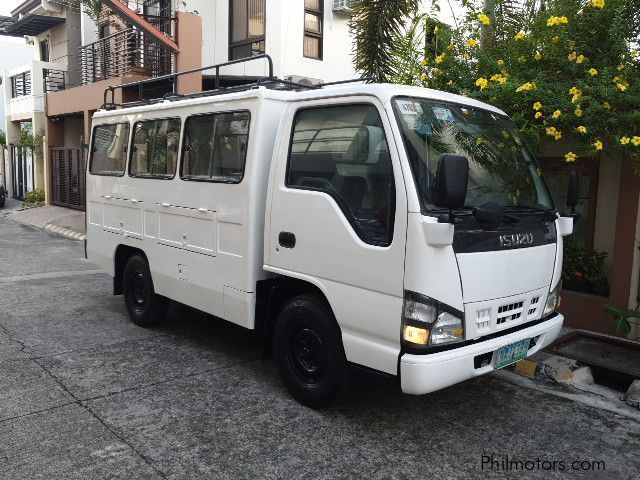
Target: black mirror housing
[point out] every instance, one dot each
(450, 187)
(573, 191)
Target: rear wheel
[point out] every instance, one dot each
(308, 350)
(144, 306)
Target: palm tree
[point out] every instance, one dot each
(378, 26)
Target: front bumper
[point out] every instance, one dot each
(427, 373)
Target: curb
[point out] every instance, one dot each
(64, 232)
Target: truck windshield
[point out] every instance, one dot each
(500, 167)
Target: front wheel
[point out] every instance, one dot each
(144, 306)
(308, 351)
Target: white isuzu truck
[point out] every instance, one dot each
(398, 228)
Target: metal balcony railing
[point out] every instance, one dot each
(21, 84)
(124, 53)
(54, 80)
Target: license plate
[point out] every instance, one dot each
(512, 353)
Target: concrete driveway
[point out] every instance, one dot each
(85, 394)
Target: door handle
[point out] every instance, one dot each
(165, 204)
(203, 210)
(133, 200)
(287, 239)
(107, 196)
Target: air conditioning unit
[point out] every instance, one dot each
(303, 80)
(342, 6)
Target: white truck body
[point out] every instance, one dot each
(210, 245)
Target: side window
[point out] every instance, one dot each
(215, 147)
(109, 149)
(155, 148)
(343, 152)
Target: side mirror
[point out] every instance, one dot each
(450, 188)
(573, 191)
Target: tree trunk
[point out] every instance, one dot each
(488, 32)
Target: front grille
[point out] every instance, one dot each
(509, 313)
(499, 314)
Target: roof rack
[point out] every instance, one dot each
(270, 81)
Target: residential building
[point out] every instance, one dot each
(78, 56)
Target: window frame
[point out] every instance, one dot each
(93, 139)
(340, 202)
(249, 40)
(130, 153)
(319, 36)
(183, 149)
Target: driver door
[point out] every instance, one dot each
(338, 219)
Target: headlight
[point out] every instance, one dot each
(553, 300)
(427, 322)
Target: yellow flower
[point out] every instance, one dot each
(440, 58)
(636, 141)
(621, 86)
(526, 87)
(505, 134)
(580, 59)
(538, 56)
(596, 4)
(472, 42)
(423, 76)
(424, 63)
(537, 106)
(578, 111)
(620, 67)
(555, 21)
(551, 131)
(520, 35)
(582, 129)
(606, 106)
(556, 114)
(555, 39)
(598, 144)
(435, 30)
(538, 114)
(570, 157)
(484, 19)
(450, 47)
(479, 141)
(593, 72)
(465, 55)
(625, 140)
(500, 62)
(572, 56)
(437, 71)
(558, 136)
(482, 83)
(575, 91)
(616, 79)
(634, 53)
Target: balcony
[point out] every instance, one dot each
(25, 88)
(129, 52)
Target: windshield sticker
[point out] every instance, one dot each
(407, 107)
(423, 128)
(443, 114)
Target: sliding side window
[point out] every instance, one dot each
(342, 151)
(215, 147)
(155, 148)
(109, 149)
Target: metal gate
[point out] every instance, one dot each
(22, 164)
(68, 178)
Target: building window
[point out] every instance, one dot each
(44, 50)
(246, 28)
(312, 47)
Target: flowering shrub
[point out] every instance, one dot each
(568, 71)
(583, 269)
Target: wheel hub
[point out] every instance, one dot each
(307, 353)
(139, 289)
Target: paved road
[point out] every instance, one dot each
(84, 394)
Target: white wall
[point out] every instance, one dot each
(284, 40)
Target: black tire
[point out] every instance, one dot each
(145, 307)
(308, 351)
